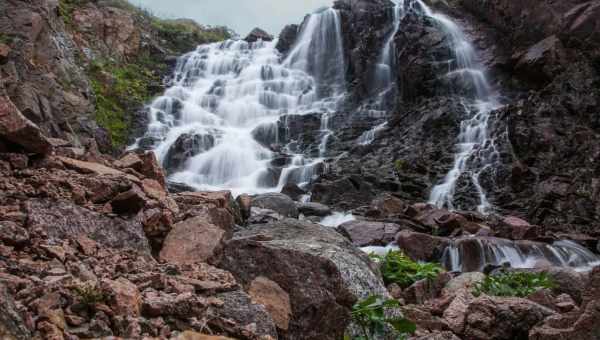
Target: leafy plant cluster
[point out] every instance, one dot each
(119, 89)
(519, 284)
(375, 317)
(398, 268)
(89, 294)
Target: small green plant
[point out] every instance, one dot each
(89, 294)
(375, 317)
(5, 39)
(519, 284)
(400, 269)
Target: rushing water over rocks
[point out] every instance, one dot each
(475, 253)
(475, 150)
(225, 95)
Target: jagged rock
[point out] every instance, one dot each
(287, 38)
(124, 297)
(540, 62)
(456, 312)
(254, 319)
(258, 34)
(186, 147)
(463, 281)
(515, 228)
(61, 220)
(502, 318)
(322, 273)
(12, 234)
(193, 240)
(314, 209)
(279, 203)
(151, 169)
(366, 233)
(93, 168)
(419, 246)
(17, 129)
(130, 201)
(293, 191)
(129, 160)
(386, 205)
(426, 289)
(345, 192)
(11, 323)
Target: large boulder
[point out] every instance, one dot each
(502, 318)
(193, 240)
(421, 247)
(320, 271)
(279, 203)
(16, 128)
(287, 38)
(367, 233)
(185, 147)
(314, 209)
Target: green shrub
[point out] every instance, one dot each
(374, 316)
(400, 269)
(119, 90)
(89, 294)
(519, 284)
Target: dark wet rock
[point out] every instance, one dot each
(314, 209)
(287, 38)
(184, 148)
(293, 191)
(344, 193)
(366, 233)
(258, 34)
(321, 271)
(279, 203)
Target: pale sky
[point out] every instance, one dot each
(239, 15)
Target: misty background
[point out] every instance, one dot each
(240, 15)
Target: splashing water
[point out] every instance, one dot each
(476, 151)
(336, 219)
(369, 136)
(232, 91)
(475, 253)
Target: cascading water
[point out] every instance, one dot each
(475, 253)
(369, 136)
(228, 93)
(384, 70)
(476, 151)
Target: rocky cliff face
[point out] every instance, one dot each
(83, 70)
(543, 59)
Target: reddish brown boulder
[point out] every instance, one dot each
(130, 160)
(151, 169)
(366, 233)
(514, 228)
(130, 201)
(17, 129)
(193, 240)
(420, 247)
(277, 301)
(123, 296)
(12, 234)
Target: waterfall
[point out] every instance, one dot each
(369, 136)
(475, 253)
(233, 92)
(385, 65)
(475, 150)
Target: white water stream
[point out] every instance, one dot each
(230, 90)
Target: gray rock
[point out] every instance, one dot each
(366, 233)
(279, 203)
(321, 271)
(314, 209)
